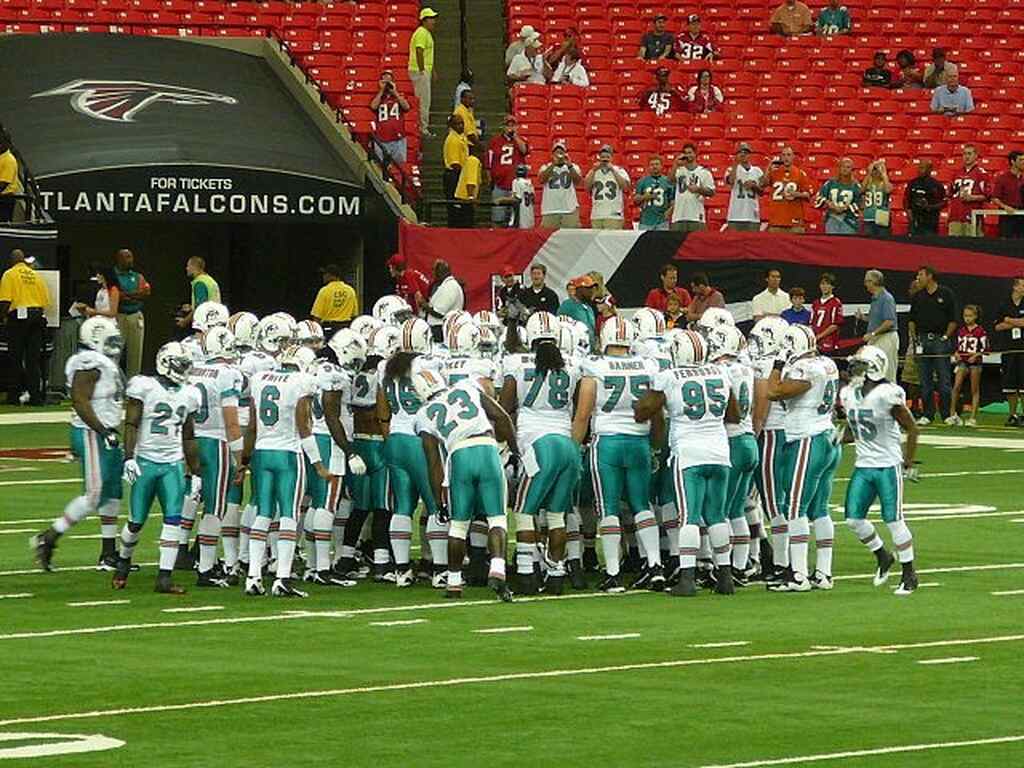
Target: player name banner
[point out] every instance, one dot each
(198, 192)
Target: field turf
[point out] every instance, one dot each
(374, 676)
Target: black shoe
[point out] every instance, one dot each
(500, 587)
(331, 579)
(554, 585)
(384, 574)
(185, 561)
(1013, 421)
(767, 555)
(165, 586)
(590, 564)
(347, 568)
(120, 578)
(723, 581)
(284, 588)
(107, 563)
(778, 575)
(705, 577)
(633, 563)
(885, 563)
(478, 568)
(908, 584)
(526, 584)
(673, 575)
(656, 580)
(611, 584)
(739, 578)
(687, 584)
(577, 578)
(42, 549)
(210, 579)
(643, 580)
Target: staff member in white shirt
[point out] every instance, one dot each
(608, 185)
(446, 295)
(529, 66)
(772, 300)
(746, 182)
(559, 206)
(693, 183)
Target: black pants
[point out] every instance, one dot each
(25, 347)
(1011, 226)
(451, 183)
(465, 215)
(924, 224)
(7, 204)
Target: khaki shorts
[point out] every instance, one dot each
(793, 230)
(962, 229)
(606, 223)
(561, 220)
(688, 226)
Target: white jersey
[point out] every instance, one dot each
(688, 205)
(621, 382)
(742, 385)
(329, 378)
(194, 348)
(108, 394)
(220, 385)
(876, 434)
(776, 416)
(655, 348)
(545, 404)
(522, 191)
(743, 202)
(251, 363)
(810, 414)
(456, 369)
(559, 195)
(454, 415)
(696, 399)
(275, 397)
(402, 399)
(165, 409)
(606, 194)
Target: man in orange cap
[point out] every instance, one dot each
(579, 307)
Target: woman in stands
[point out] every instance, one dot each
(704, 96)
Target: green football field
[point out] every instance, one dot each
(374, 676)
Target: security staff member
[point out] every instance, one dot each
(202, 288)
(23, 300)
(335, 303)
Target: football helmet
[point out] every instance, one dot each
(208, 315)
(102, 335)
(766, 337)
(415, 336)
(724, 341)
(217, 343)
(488, 341)
(309, 333)
(275, 332)
(542, 326)
(427, 383)
(688, 348)
(798, 341)
(463, 338)
(392, 310)
(364, 324)
(649, 323)
(617, 332)
(384, 342)
(349, 348)
(487, 319)
(869, 362)
(298, 357)
(243, 326)
(714, 317)
(452, 319)
(174, 362)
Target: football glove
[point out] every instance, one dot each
(111, 439)
(131, 471)
(356, 465)
(195, 488)
(911, 474)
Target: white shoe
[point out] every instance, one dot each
(282, 588)
(954, 421)
(439, 580)
(820, 581)
(971, 422)
(923, 421)
(254, 587)
(795, 584)
(405, 579)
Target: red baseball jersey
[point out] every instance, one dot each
(693, 48)
(824, 314)
(409, 284)
(503, 156)
(972, 182)
(970, 342)
(389, 121)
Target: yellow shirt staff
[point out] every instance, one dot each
(21, 287)
(336, 301)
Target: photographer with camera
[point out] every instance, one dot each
(559, 205)
(390, 107)
(877, 200)
(608, 185)
(923, 199)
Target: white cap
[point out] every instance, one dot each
(527, 32)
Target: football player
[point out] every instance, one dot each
(159, 433)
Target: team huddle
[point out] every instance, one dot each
(697, 459)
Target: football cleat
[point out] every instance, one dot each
(384, 574)
(1013, 421)
(740, 578)
(211, 579)
(439, 580)
(656, 579)
(687, 584)
(330, 579)
(120, 579)
(346, 568)
(453, 593)
(820, 581)
(405, 579)
(185, 560)
(590, 564)
(954, 421)
(611, 584)
(282, 588)
(971, 422)
(908, 585)
(643, 580)
(924, 421)
(500, 587)
(165, 586)
(42, 551)
(778, 575)
(577, 578)
(254, 587)
(526, 584)
(705, 575)
(311, 577)
(793, 584)
(885, 563)
(723, 581)
(107, 563)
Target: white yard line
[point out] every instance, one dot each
(17, 531)
(51, 482)
(853, 754)
(947, 569)
(400, 623)
(950, 660)
(97, 603)
(951, 474)
(194, 609)
(86, 536)
(19, 469)
(1009, 592)
(16, 596)
(36, 417)
(930, 584)
(43, 520)
(501, 630)
(461, 681)
(61, 569)
(729, 644)
(623, 636)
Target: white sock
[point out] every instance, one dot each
(689, 545)
(258, 545)
(647, 535)
(524, 557)
(478, 535)
(573, 537)
(248, 517)
(718, 536)
(401, 540)
(865, 531)
(323, 519)
(381, 557)
(824, 536)
(287, 536)
(740, 542)
(128, 542)
(208, 536)
(780, 541)
(108, 518)
(799, 536)
(309, 537)
(437, 538)
(188, 519)
(497, 570)
(340, 521)
(75, 511)
(902, 541)
(611, 539)
(229, 531)
(168, 546)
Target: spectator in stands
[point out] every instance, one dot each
(658, 43)
(878, 75)
(559, 205)
(797, 313)
(952, 98)
(789, 188)
(704, 296)
(1010, 338)
(529, 66)
(518, 45)
(694, 45)
(664, 97)
(934, 317)
(456, 151)
(579, 305)
(108, 297)
(746, 182)
(968, 190)
(834, 20)
(336, 303)
(792, 18)
(511, 308)
(877, 200)
(675, 317)
(520, 200)
(507, 151)
(466, 80)
(10, 181)
(694, 183)
(570, 45)
(467, 191)
(882, 329)
(923, 199)
(465, 111)
(390, 107)
(24, 299)
(538, 297)
(939, 71)
(704, 96)
(654, 194)
(134, 290)
(571, 70)
(911, 75)
(446, 295)
(411, 284)
(608, 185)
(772, 300)
(827, 315)
(202, 288)
(421, 65)
(657, 298)
(841, 199)
(1008, 195)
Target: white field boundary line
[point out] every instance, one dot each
(950, 660)
(90, 519)
(62, 569)
(17, 531)
(623, 636)
(1008, 592)
(96, 603)
(74, 480)
(193, 609)
(16, 596)
(399, 623)
(501, 630)
(853, 754)
(728, 644)
(460, 681)
(946, 569)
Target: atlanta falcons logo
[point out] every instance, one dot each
(120, 100)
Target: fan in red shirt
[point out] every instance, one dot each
(665, 97)
(827, 315)
(693, 45)
(411, 284)
(506, 151)
(389, 107)
(658, 297)
(967, 191)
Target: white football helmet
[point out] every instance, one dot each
(102, 335)
(542, 326)
(364, 324)
(766, 337)
(724, 341)
(488, 341)
(582, 334)
(452, 319)
(174, 362)
(688, 348)
(243, 326)
(798, 341)
(617, 332)
(349, 348)
(485, 318)
(208, 315)
(298, 357)
(649, 323)
(415, 336)
(275, 332)
(427, 383)
(217, 343)
(463, 339)
(714, 317)
(869, 362)
(309, 333)
(384, 342)
(392, 310)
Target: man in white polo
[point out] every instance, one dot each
(772, 300)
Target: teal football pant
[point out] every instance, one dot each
(771, 479)
(701, 493)
(408, 475)
(621, 464)
(743, 458)
(476, 480)
(101, 466)
(279, 479)
(870, 483)
(323, 494)
(806, 461)
(370, 491)
(164, 482)
(819, 507)
(552, 487)
(217, 474)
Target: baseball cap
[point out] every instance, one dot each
(427, 13)
(508, 271)
(533, 41)
(397, 260)
(692, 18)
(331, 269)
(558, 143)
(527, 32)
(744, 147)
(585, 281)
